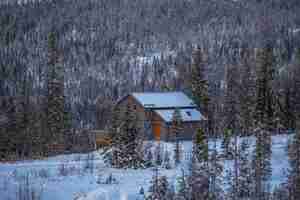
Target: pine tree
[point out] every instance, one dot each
(226, 143)
(245, 177)
(55, 110)
(296, 87)
(215, 174)
(29, 137)
(264, 110)
(231, 102)
(264, 122)
(160, 189)
(200, 146)
(232, 124)
(115, 138)
(240, 185)
(294, 152)
(230, 113)
(287, 117)
(199, 84)
(199, 179)
(10, 132)
(183, 190)
(127, 142)
(247, 93)
(261, 162)
(176, 128)
(294, 157)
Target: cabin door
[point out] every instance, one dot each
(156, 130)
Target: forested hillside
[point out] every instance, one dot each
(65, 63)
(110, 48)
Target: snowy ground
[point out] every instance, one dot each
(66, 177)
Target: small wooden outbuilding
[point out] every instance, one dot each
(155, 112)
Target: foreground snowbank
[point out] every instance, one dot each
(77, 176)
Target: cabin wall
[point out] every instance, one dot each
(188, 130)
(156, 122)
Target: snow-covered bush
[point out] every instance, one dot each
(167, 160)
(110, 179)
(43, 173)
(89, 163)
(63, 169)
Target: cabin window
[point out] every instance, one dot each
(188, 113)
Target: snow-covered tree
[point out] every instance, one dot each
(264, 113)
(176, 131)
(160, 189)
(294, 157)
(126, 143)
(227, 143)
(246, 94)
(199, 84)
(183, 190)
(56, 115)
(199, 179)
(294, 151)
(200, 146)
(240, 179)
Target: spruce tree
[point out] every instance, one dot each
(200, 88)
(232, 122)
(199, 84)
(230, 111)
(160, 189)
(245, 175)
(55, 110)
(264, 107)
(200, 146)
(294, 153)
(294, 158)
(199, 179)
(247, 93)
(28, 139)
(264, 122)
(183, 190)
(296, 87)
(176, 128)
(115, 137)
(199, 182)
(226, 143)
(127, 142)
(240, 184)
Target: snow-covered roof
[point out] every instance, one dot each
(186, 114)
(163, 99)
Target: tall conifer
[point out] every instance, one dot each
(56, 119)
(264, 122)
(294, 151)
(176, 132)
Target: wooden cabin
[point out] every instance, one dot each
(155, 112)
